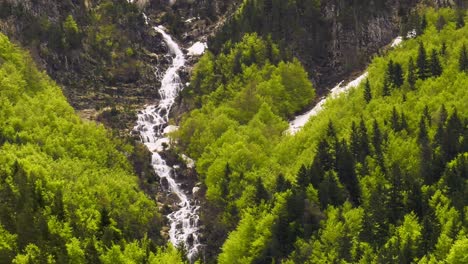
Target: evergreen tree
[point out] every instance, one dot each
(395, 120)
(386, 87)
(282, 184)
(367, 91)
(403, 122)
(421, 62)
(363, 140)
(443, 49)
(261, 194)
(346, 171)
(454, 132)
(427, 115)
(411, 73)
(440, 24)
(377, 137)
(426, 153)
(423, 24)
(436, 68)
(398, 75)
(460, 19)
(463, 59)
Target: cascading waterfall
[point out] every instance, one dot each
(153, 127)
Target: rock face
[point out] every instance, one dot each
(100, 52)
(352, 34)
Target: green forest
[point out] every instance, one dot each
(379, 176)
(68, 193)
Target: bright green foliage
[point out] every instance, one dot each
(67, 193)
(241, 120)
(72, 32)
(395, 162)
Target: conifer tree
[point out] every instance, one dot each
(411, 73)
(460, 19)
(397, 75)
(423, 23)
(463, 59)
(436, 68)
(367, 91)
(443, 49)
(386, 87)
(440, 23)
(395, 120)
(422, 62)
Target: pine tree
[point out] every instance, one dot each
(261, 194)
(422, 62)
(440, 23)
(367, 91)
(377, 137)
(427, 115)
(436, 68)
(454, 132)
(282, 184)
(386, 87)
(403, 123)
(460, 19)
(426, 153)
(395, 120)
(303, 178)
(411, 73)
(443, 49)
(397, 75)
(463, 59)
(423, 24)
(354, 141)
(364, 140)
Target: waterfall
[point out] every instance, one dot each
(152, 126)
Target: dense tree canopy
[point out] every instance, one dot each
(67, 192)
(378, 176)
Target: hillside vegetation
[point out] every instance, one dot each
(67, 192)
(379, 176)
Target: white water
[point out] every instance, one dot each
(299, 122)
(152, 126)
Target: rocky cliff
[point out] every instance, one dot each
(332, 38)
(101, 52)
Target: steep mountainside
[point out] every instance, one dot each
(331, 38)
(101, 52)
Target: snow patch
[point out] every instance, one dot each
(197, 49)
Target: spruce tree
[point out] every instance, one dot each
(395, 120)
(377, 137)
(440, 23)
(364, 140)
(463, 59)
(460, 19)
(423, 23)
(367, 91)
(397, 75)
(443, 49)
(411, 73)
(422, 62)
(436, 68)
(386, 87)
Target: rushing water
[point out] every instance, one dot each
(153, 127)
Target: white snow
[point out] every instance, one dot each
(197, 49)
(299, 122)
(397, 41)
